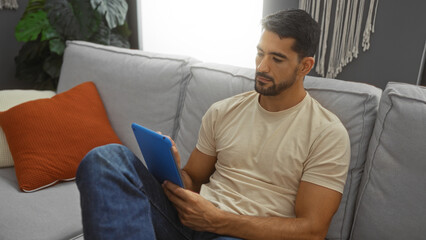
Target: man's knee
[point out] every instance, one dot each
(101, 157)
(105, 152)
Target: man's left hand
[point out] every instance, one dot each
(194, 211)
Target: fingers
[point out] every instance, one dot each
(175, 151)
(193, 210)
(174, 189)
(182, 201)
(175, 194)
(176, 156)
(173, 142)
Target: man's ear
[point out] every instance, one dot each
(306, 65)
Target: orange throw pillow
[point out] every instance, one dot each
(49, 137)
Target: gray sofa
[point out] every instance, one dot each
(385, 193)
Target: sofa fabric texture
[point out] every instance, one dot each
(356, 105)
(392, 192)
(50, 214)
(135, 86)
(384, 192)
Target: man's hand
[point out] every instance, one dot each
(187, 181)
(174, 149)
(194, 211)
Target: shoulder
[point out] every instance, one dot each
(325, 126)
(323, 119)
(229, 104)
(322, 113)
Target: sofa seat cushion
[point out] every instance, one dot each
(51, 214)
(135, 86)
(392, 192)
(356, 105)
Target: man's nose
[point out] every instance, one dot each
(263, 65)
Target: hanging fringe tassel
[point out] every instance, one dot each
(346, 31)
(369, 25)
(10, 4)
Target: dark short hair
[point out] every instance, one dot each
(296, 24)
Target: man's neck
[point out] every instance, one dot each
(285, 100)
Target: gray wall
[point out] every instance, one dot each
(9, 47)
(396, 46)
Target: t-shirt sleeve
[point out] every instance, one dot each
(328, 160)
(206, 137)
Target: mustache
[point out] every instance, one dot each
(264, 75)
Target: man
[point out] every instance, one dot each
(268, 164)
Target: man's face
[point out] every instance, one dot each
(276, 64)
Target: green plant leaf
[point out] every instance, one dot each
(52, 65)
(57, 46)
(33, 51)
(123, 30)
(120, 36)
(29, 62)
(30, 27)
(119, 40)
(34, 6)
(115, 11)
(47, 24)
(30, 65)
(116, 37)
(102, 35)
(49, 33)
(73, 20)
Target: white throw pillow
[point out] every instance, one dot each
(9, 99)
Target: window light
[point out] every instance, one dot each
(221, 31)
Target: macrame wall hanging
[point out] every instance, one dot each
(10, 4)
(345, 32)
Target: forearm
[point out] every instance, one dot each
(198, 170)
(248, 227)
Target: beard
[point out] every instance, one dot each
(275, 89)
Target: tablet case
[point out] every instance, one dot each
(156, 150)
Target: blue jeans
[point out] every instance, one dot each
(120, 199)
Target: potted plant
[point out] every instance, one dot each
(47, 24)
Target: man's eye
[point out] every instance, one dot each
(277, 60)
(260, 54)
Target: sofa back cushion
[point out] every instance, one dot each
(392, 192)
(209, 83)
(356, 105)
(135, 86)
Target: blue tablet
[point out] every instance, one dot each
(156, 150)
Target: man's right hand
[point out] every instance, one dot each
(175, 151)
(197, 171)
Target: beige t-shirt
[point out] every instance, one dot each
(262, 156)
